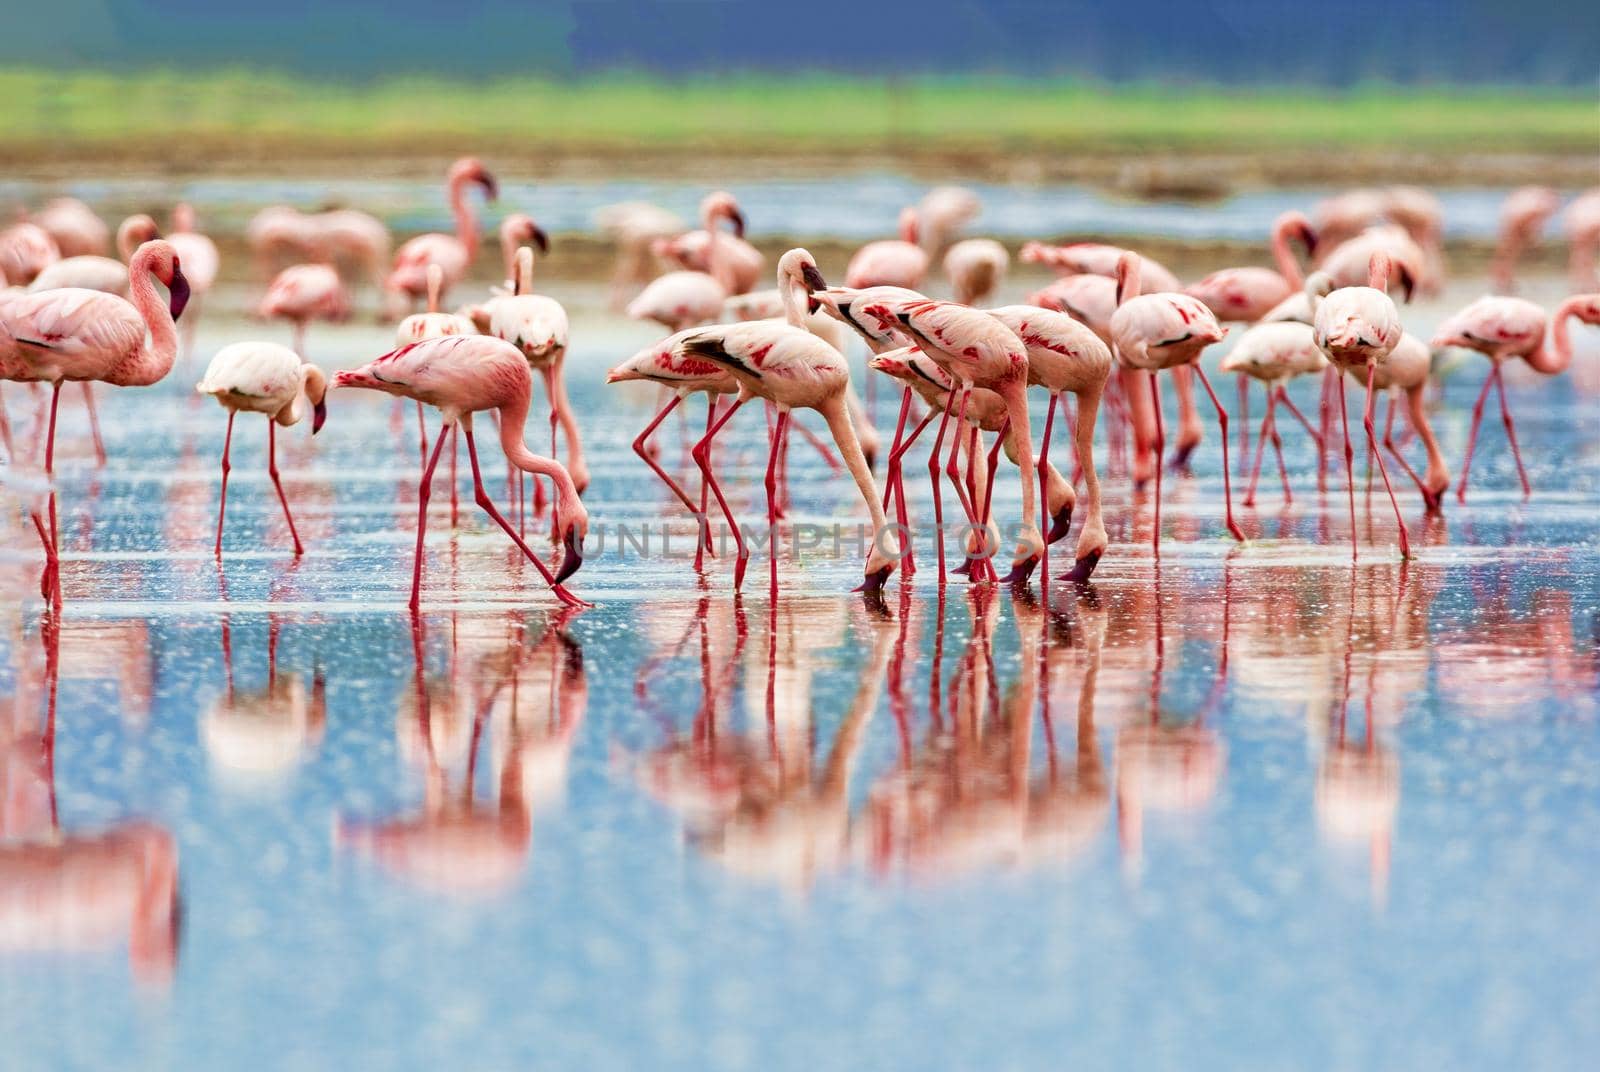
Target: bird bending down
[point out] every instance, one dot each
(1167, 331)
(1357, 328)
(790, 367)
(1275, 353)
(460, 375)
(265, 378)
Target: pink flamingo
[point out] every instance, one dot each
(72, 334)
(941, 215)
(26, 249)
(200, 261)
(354, 240)
(1522, 220)
(1167, 331)
(1419, 212)
(91, 271)
(433, 324)
(1357, 328)
(302, 293)
(1245, 295)
(1582, 220)
(791, 368)
(634, 226)
(1406, 370)
(280, 232)
(976, 267)
(891, 262)
(1095, 258)
(454, 253)
(1275, 353)
(265, 378)
(74, 227)
(1348, 263)
(684, 298)
(1502, 328)
(977, 350)
(1348, 213)
(460, 375)
(735, 263)
(1066, 357)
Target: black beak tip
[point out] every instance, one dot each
(737, 218)
(1022, 571)
(1060, 525)
(573, 559)
(541, 239)
(178, 290)
(1433, 501)
(873, 584)
(319, 417)
(1083, 568)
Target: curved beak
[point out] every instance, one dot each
(541, 239)
(1060, 525)
(179, 291)
(491, 188)
(874, 582)
(573, 559)
(1021, 571)
(736, 218)
(319, 416)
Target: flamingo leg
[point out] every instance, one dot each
(702, 458)
(1472, 435)
(1277, 450)
(902, 514)
(1383, 470)
(1043, 467)
(1511, 432)
(455, 503)
(424, 493)
(1349, 466)
(94, 424)
(894, 447)
(50, 433)
(953, 468)
(988, 496)
(1227, 473)
(772, 495)
(642, 449)
(1325, 424)
(272, 469)
(227, 467)
(422, 436)
(1394, 449)
(481, 495)
(1288, 403)
(703, 527)
(1160, 447)
(299, 340)
(933, 480)
(1261, 449)
(1244, 419)
(11, 450)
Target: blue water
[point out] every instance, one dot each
(1302, 815)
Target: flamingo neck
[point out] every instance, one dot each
(1554, 357)
(508, 255)
(154, 358)
(1437, 477)
(513, 419)
(1127, 279)
(435, 284)
(466, 220)
(833, 411)
(522, 278)
(792, 311)
(1288, 267)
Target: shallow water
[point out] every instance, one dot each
(852, 207)
(1252, 807)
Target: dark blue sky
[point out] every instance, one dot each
(1335, 42)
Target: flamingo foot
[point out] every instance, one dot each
(1021, 571)
(1060, 524)
(1082, 568)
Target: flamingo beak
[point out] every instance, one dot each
(1021, 571)
(1081, 570)
(319, 416)
(875, 580)
(179, 291)
(541, 239)
(491, 188)
(737, 219)
(1433, 501)
(1060, 525)
(573, 559)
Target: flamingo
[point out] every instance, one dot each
(433, 324)
(1406, 370)
(977, 350)
(91, 271)
(1066, 357)
(634, 226)
(1348, 263)
(976, 267)
(83, 335)
(790, 367)
(302, 293)
(735, 263)
(200, 259)
(454, 253)
(942, 213)
(1275, 353)
(891, 262)
(1357, 328)
(1522, 219)
(1502, 328)
(280, 231)
(1582, 221)
(355, 240)
(1421, 214)
(1245, 295)
(74, 227)
(265, 378)
(1095, 258)
(460, 375)
(1348, 213)
(26, 249)
(1167, 331)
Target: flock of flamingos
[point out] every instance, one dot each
(1101, 332)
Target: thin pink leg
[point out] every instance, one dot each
(1043, 467)
(227, 467)
(272, 469)
(1244, 418)
(50, 433)
(422, 436)
(988, 494)
(1472, 435)
(703, 531)
(933, 480)
(1394, 450)
(894, 446)
(1511, 432)
(481, 494)
(94, 424)
(455, 504)
(424, 493)
(1316, 437)
(953, 468)
(1349, 466)
(702, 458)
(1227, 472)
(1261, 448)
(1277, 450)
(1161, 446)
(1325, 424)
(1383, 470)
(897, 467)
(772, 495)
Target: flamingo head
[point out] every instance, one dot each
(574, 527)
(159, 259)
(797, 268)
(471, 169)
(518, 229)
(1297, 225)
(722, 205)
(134, 232)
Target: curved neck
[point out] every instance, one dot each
(466, 219)
(788, 294)
(154, 359)
(837, 415)
(508, 254)
(1127, 279)
(1555, 354)
(1288, 267)
(435, 284)
(513, 419)
(522, 274)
